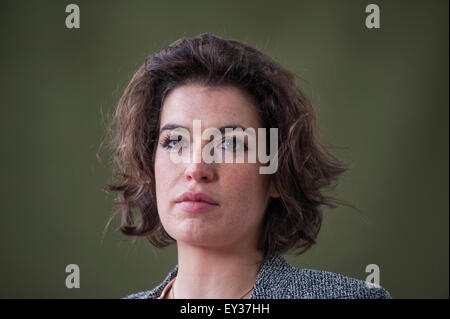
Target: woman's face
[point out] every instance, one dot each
(239, 191)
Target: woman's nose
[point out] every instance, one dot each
(200, 172)
(197, 169)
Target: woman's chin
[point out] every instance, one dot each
(206, 238)
(196, 239)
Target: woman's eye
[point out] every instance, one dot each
(233, 144)
(171, 143)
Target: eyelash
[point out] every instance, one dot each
(166, 142)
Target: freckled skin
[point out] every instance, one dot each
(238, 187)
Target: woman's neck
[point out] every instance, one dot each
(211, 273)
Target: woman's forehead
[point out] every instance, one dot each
(213, 106)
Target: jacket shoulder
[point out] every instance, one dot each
(325, 284)
(141, 295)
(280, 280)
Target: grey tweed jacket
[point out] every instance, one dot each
(277, 279)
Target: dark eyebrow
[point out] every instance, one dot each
(171, 126)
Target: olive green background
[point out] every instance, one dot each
(381, 97)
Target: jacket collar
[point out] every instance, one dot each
(272, 280)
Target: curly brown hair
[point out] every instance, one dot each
(305, 167)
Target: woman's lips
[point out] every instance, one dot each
(196, 202)
(196, 206)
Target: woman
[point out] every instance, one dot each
(231, 221)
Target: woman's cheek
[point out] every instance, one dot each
(163, 180)
(240, 184)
